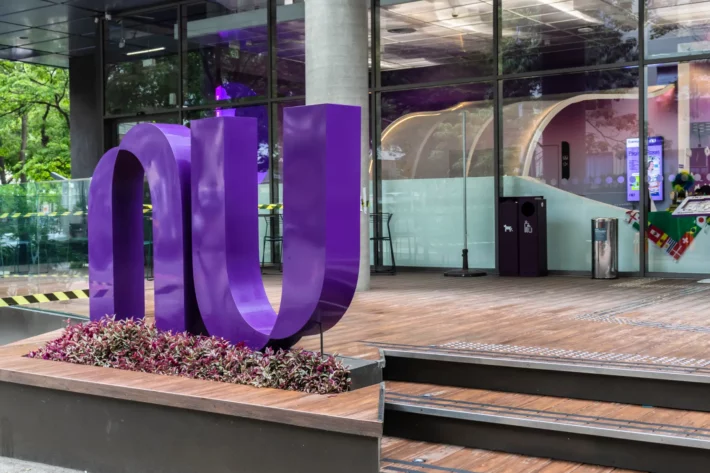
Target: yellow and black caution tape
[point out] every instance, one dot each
(46, 297)
(271, 206)
(78, 213)
(42, 275)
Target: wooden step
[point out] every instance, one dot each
(616, 435)
(409, 456)
(678, 383)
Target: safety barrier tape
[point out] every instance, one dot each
(43, 275)
(78, 213)
(46, 297)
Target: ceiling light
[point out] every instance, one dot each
(145, 51)
(568, 7)
(585, 29)
(406, 30)
(24, 37)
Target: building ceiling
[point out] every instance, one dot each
(50, 31)
(415, 33)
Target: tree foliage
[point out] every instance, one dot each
(34, 122)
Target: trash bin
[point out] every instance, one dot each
(508, 264)
(532, 237)
(605, 248)
(522, 236)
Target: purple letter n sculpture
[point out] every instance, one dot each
(321, 174)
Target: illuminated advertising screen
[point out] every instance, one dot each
(654, 169)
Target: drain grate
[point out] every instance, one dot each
(402, 466)
(635, 283)
(577, 355)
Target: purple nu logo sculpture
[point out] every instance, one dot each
(205, 226)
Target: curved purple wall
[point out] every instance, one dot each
(116, 262)
(321, 224)
(208, 173)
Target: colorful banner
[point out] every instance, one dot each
(674, 235)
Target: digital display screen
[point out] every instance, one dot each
(654, 169)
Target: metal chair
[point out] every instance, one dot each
(272, 221)
(382, 221)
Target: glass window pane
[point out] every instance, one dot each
(122, 127)
(277, 159)
(431, 139)
(678, 164)
(227, 52)
(553, 34)
(141, 63)
(677, 28)
(435, 40)
(290, 48)
(564, 138)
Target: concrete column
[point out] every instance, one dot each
(336, 72)
(85, 115)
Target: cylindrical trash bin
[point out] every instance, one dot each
(605, 248)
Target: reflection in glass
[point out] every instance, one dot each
(260, 112)
(427, 41)
(431, 138)
(141, 67)
(124, 127)
(227, 52)
(290, 48)
(591, 116)
(677, 28)
(279, 141)
(682, 120)
(554, 34)
(43, 241)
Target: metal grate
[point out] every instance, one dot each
(577, 355)
(401, 466)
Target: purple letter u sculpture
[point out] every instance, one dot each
(321, 178)
(116, 264)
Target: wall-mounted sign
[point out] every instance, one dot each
(654, 170)
(565, 160)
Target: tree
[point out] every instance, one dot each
(34, 122)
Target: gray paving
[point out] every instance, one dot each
(8, 465)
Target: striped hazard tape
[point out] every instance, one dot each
(146, 209)
(46, 297)
(271, 206)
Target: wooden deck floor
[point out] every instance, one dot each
(609, 415)
(647, 319)
(660, 318)
(420, 457)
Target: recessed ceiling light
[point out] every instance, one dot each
(585, 29)
(24, 37)
(402, 30)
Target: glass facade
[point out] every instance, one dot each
(588, 117)
(596, 105)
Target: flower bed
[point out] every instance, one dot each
(137, 346)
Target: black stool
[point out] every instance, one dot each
(272, 221)
(383, 221)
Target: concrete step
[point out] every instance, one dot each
(409, 456)
(613, 377)
(616, 435)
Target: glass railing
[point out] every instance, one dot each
(43, 237)
(44, 242)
